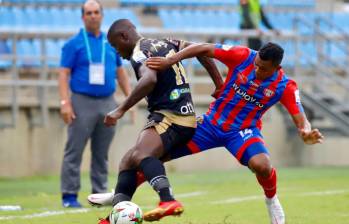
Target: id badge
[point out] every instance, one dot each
(96, 75)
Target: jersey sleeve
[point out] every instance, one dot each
(291, 98)
(178, 44)
(68, 55)
(231, 56)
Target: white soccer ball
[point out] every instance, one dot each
(126, 212)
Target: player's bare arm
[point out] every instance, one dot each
(193, 50)
(308, 135)
(144, 86)
(203, 52)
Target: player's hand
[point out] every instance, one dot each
(113, 116)
(159, 63)
(67, 113)
(311, 137)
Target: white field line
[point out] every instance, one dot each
(325, 193)
(84, 210)
(255, 197)
(192, 194)
(238, 199)
(45, 214)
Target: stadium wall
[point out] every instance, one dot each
(27, 150)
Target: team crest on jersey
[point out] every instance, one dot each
(269, 93)
(242, 79)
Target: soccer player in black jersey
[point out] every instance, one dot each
(172, 117)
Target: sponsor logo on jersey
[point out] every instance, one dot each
(268, 93)
(176, 93)
(246, 96)
(187, 109)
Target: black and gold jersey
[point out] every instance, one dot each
(172, 91)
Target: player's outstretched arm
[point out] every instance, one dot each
(215, 75)
(144, 86)
(193, 50)
(308, 135)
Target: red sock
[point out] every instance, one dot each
(268, 184)
(140, 178)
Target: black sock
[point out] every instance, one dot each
(126, 186)
(154, 172)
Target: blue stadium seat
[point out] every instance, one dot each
(4, 50)
(53, 50)
(195, 3)
(110, 15)
(30, 49)
(301, 4)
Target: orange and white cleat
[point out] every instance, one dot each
(166, 208)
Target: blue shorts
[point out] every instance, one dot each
(243, 144)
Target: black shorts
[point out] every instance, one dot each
(172, 134)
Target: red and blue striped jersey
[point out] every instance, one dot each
(244, 98)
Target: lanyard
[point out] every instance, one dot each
(89, 55)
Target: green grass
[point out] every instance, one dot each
(296, 191)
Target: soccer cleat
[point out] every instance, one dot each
(70, 201)
(166, 208)
(276, 213)
(101, 199)
(104, 221)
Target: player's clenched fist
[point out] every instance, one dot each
(112, 117)
(311, 137)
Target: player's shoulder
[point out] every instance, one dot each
(74, 41)
(228, 47)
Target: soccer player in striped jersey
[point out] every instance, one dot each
(254, 83)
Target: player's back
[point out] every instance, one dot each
(172, 90)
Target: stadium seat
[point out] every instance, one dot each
(53, 50)
(28, 52)
(4, 50)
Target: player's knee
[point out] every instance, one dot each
(263, 169)
(126, 162)
(261, 165)
(137, 157)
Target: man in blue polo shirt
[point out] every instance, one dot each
(89, 69)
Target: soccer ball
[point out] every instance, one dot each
(126, 212)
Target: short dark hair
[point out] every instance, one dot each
(83, 6)
(271, 51)
(119, 25)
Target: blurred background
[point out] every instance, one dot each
(314, 34)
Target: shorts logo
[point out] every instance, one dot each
(268, 93)
(175, 94)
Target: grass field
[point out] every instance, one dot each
(309, 195)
